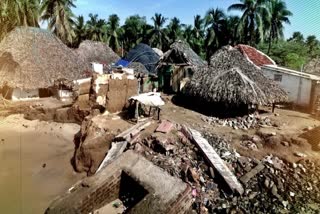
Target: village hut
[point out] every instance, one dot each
(32, 59)
(233, 81)
(145, 55)
(177, 66)
(98, 52)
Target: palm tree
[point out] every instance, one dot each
(197, 34)
(59, 16)
(174, 30)
(312, 44)
(215, 21)
(297, 37)
(18, 13)
(232, 30)
(251, 22)
(80, 30)
(158, 37)
(96, 28)
(29, 12)
(113, 31)
(133, 30)
(279, 14)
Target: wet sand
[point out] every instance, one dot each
(35, 163)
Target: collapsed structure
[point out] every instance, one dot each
(30, 59)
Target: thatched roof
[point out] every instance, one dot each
(180, 53)
(91, 51)
(232, 79)
(138, 67)
(33, 58)
(144, 54)
(313, 66)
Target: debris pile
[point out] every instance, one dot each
(250, 121)
(270, 185)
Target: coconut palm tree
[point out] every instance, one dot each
(232, 23)
(18, 13)
(251, 22)
(113, 31)
(174, 30)
(158, 37)
(59, 16)
(215, 22)
(312, 44)
(279, 15)
(297, 37)
(29, 12)
(96, 28)
(80, 30)
(196, 36)
(133, 30)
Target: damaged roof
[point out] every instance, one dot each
(181, 53)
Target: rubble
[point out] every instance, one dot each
(250, 121)
(271, 185)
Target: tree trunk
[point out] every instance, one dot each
(270, 43)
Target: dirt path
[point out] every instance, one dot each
(35, 163)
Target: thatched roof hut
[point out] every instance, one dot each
(181, 54)
(91, 51)
(232, 79)
(145, 55)
(32, 58)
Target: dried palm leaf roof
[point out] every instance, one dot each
(232, 79)
(32, 58)
(180, 53)
(144, 54)
(138, 67)
(91, 51)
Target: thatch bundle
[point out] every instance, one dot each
(91, 51)
(232, 79)
(180, 53)
(32, 58)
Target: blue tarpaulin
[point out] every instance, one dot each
(123, 63)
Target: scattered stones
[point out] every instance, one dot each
(250, 121)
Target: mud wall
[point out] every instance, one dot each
(118, 93)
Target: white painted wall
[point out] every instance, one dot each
(290, 83)
(19, 94)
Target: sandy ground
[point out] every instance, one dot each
(35, 163)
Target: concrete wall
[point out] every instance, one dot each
(165, 194)
(298, 88)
